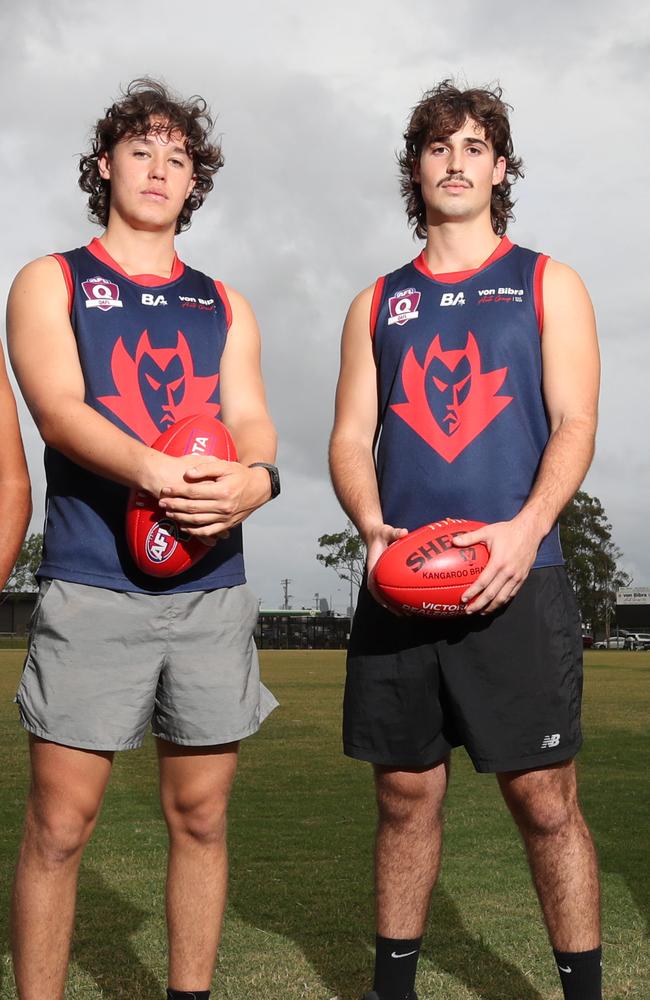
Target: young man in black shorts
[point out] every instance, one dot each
(477, 363)
(112, 343)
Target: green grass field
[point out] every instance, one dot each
(299, 921)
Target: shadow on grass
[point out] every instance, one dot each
(102, 947)
(455, 950)
(334, 930)
(105, 923)
(617, 808)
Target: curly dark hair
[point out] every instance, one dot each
(441, 112)
(143, 100)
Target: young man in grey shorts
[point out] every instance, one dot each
(111, 344)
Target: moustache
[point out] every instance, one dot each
(455, 179)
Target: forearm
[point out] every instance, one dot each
(255, 439)
(15, 512)
(354, 478)
(86, 437)
(564, 464)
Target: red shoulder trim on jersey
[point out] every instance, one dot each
(538, 289)
(149, 280)
(223, 295)
(377, 293)
(452, 277)
(67, 274)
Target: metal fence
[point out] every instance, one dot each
(278, 631)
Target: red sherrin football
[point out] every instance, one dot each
(424, 573)
(156, 543)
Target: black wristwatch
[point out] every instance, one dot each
(273, 474)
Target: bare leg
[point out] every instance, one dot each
(561, 854)
(62, 808)
(408, 847)
(195, 786)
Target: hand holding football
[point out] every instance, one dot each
(157, 544)
(424, 573)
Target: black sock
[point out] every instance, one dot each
(396, 962)
(187, 994)
(581, 973)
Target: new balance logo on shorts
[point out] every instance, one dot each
(550, 741)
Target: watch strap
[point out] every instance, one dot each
(274, 476)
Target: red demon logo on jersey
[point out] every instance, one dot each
(450, 401)
(157, 387)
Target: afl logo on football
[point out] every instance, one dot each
(101, 294)
(403, 306)
(161, 541)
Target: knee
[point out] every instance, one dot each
(201, 821)
(406, 798)
(544, 815)
(57, 836)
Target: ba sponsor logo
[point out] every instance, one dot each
(449, 299)
(161, 541)
(101, 294)
(403, 306)
(153, 300)
(550, 741)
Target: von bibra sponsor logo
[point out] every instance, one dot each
(101, 294)
(502, 294)
(193, 302)
(403, 306)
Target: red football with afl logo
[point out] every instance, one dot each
(158, 546)
(424, 573)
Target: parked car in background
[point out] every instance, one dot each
(587, 641)
(614, 642)
(637, 640)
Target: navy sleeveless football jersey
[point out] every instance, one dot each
(150, 351)
(463, 422)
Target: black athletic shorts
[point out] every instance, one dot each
(506, 686)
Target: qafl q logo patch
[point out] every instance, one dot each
(161, 541)
(101, 294)
(403, 306)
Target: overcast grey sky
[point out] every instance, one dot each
(311, 102)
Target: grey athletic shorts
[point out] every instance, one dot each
(102, 664)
